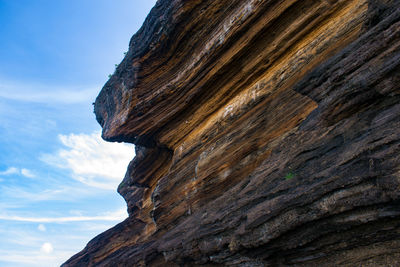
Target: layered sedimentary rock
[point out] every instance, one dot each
(267, 134)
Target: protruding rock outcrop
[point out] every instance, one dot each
(267, 133)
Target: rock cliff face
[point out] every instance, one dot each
(267, 133)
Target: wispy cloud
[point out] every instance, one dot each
(27, 173)
(16, 192)
(20, 247)
(41, 93)
(13, 170)
(58, 191)
(92, 161)
(111, 216)
(34, 258)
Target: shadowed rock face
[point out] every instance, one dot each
(267, 133)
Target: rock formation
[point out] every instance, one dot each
(267, 133)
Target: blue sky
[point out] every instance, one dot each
(58, 179)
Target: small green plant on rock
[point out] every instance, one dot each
(289, 175)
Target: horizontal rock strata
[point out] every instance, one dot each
(267, 134)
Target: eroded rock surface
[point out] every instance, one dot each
(267, 133)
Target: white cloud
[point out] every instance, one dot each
(21, 247)
(40, 93)
(34, 259)
(9, 171)
(60, 192)
(13, 170)
(16, 192)
(92, 161)
(42, 228)
(27, 173)
(110, 216)
(47, 248)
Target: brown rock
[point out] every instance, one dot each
(267, 133)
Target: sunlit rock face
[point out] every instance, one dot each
(267, 133)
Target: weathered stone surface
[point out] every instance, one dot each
(267, 133)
